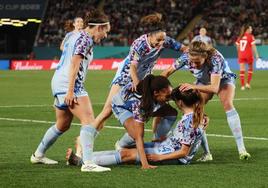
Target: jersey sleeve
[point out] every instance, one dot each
(172, 44)
(217, 62)
(82, 46)
(181, 61)
(134, 56)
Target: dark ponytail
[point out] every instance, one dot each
(149, 85)
(198, 110)
(152, 23)
(191, 98)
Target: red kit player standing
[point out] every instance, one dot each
(245, 44)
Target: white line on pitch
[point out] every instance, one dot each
(100, 103)
(114, 127)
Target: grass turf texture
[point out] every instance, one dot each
(19, 139)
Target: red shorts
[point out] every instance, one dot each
(248, 60)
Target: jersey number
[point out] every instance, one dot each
(243, 44)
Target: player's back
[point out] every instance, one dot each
(245, 45)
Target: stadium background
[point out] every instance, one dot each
(30, 34)
(34, 29)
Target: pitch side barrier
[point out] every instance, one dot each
(109, 64)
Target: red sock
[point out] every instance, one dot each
(250, 72)
(242, 78)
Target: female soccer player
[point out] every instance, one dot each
(245, 44)
(134, 108)
(71, 98)
(142, 57)
(179, 147)
(213, 76)
(72, 26)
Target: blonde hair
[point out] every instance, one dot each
(199, 48)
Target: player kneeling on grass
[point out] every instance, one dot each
(179, 147)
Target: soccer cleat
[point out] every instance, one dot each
(247, 86)
(242, 88)
(205, 157)
(91, 167)
(72, 159)
(244, 155)
(117, 146)
(42, 160)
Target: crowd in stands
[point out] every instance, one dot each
(222, 18)
(126, 16)
(57, 13)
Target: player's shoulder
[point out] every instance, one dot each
(83, 37)
(217, 57)
(187, 120)
(140, 43)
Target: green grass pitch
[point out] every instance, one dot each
(26, 96)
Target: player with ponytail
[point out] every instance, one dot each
(213, 76)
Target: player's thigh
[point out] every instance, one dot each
(206, 96)
(83, 110)
(63, 119)
(114, 90)
(133, 128)
(226, 95)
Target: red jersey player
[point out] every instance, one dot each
(245, 44)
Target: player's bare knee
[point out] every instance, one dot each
(227, 105)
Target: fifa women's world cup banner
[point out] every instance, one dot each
(112, 64)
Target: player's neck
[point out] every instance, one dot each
(89, 31)
(187, 110)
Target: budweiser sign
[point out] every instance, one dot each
(96, 64)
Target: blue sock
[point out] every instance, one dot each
(126, 141)
(87, 136)
(49, 138)
(235, 126)
(164, 126)
(106, 158)
(204, 143)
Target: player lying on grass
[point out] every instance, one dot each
(179, 147)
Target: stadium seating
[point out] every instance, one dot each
(219, 17)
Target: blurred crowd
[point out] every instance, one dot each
(57, 13)
(222, 18)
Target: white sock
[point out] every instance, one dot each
(235, 126)
(204, 143)
(49, 138)
(106, 158)
(87, 136)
